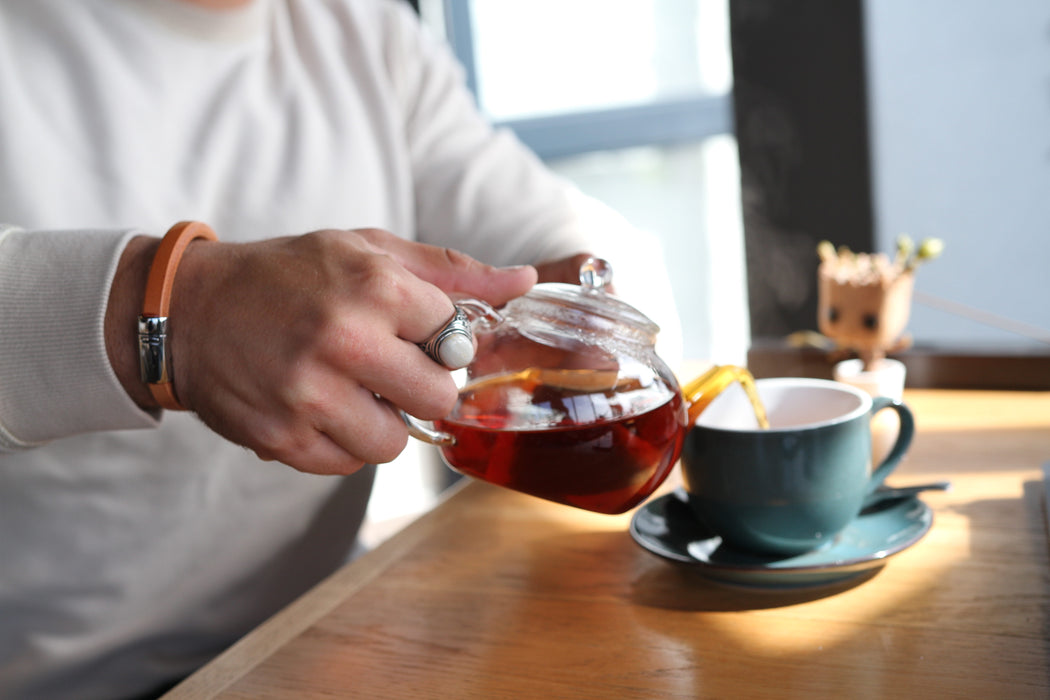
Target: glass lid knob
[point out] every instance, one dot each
(595, 274)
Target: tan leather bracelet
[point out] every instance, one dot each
(154, 353)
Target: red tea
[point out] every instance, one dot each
(603, 451)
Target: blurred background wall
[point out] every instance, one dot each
(959, 94)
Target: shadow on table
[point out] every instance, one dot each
(682, 587)
(678, 587)
(975, 598)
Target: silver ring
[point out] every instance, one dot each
(453, 345)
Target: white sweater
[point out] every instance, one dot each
(127, 556)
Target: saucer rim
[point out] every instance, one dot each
(838, 567)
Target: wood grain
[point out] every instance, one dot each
(498, 595)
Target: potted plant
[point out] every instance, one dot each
(863, 305)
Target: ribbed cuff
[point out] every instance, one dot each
(55, 375)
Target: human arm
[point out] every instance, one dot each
(480, 190)
(55, 376)
(300, 347)
(303, 348)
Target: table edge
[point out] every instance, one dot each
(259, 644)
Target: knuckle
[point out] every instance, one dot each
(350, 348)
(458, 258)
(278, 441)
(316, 244)
(298, 389)
(374, 236)
(384, 283)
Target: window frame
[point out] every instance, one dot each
(658, 123)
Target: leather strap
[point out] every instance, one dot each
(158, 293)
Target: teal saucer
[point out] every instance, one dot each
(666, 527)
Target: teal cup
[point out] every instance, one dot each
(793, 487)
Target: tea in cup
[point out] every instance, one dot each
(792, 487)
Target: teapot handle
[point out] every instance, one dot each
(480, 315)
(421, 431)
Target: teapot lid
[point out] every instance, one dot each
(590, 298)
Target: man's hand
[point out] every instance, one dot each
(303, 348)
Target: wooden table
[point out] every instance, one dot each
(498, 595)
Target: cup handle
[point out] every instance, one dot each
(907, 431)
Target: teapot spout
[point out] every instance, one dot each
(701, 391)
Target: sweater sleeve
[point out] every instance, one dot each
(480, 190)
(55, 375)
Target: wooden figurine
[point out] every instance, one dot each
(864, 300)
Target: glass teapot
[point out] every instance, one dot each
(567, 400)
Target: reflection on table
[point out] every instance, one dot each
(495, 594)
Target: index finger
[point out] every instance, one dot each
(455, 272)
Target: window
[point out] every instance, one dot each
(630, 100)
